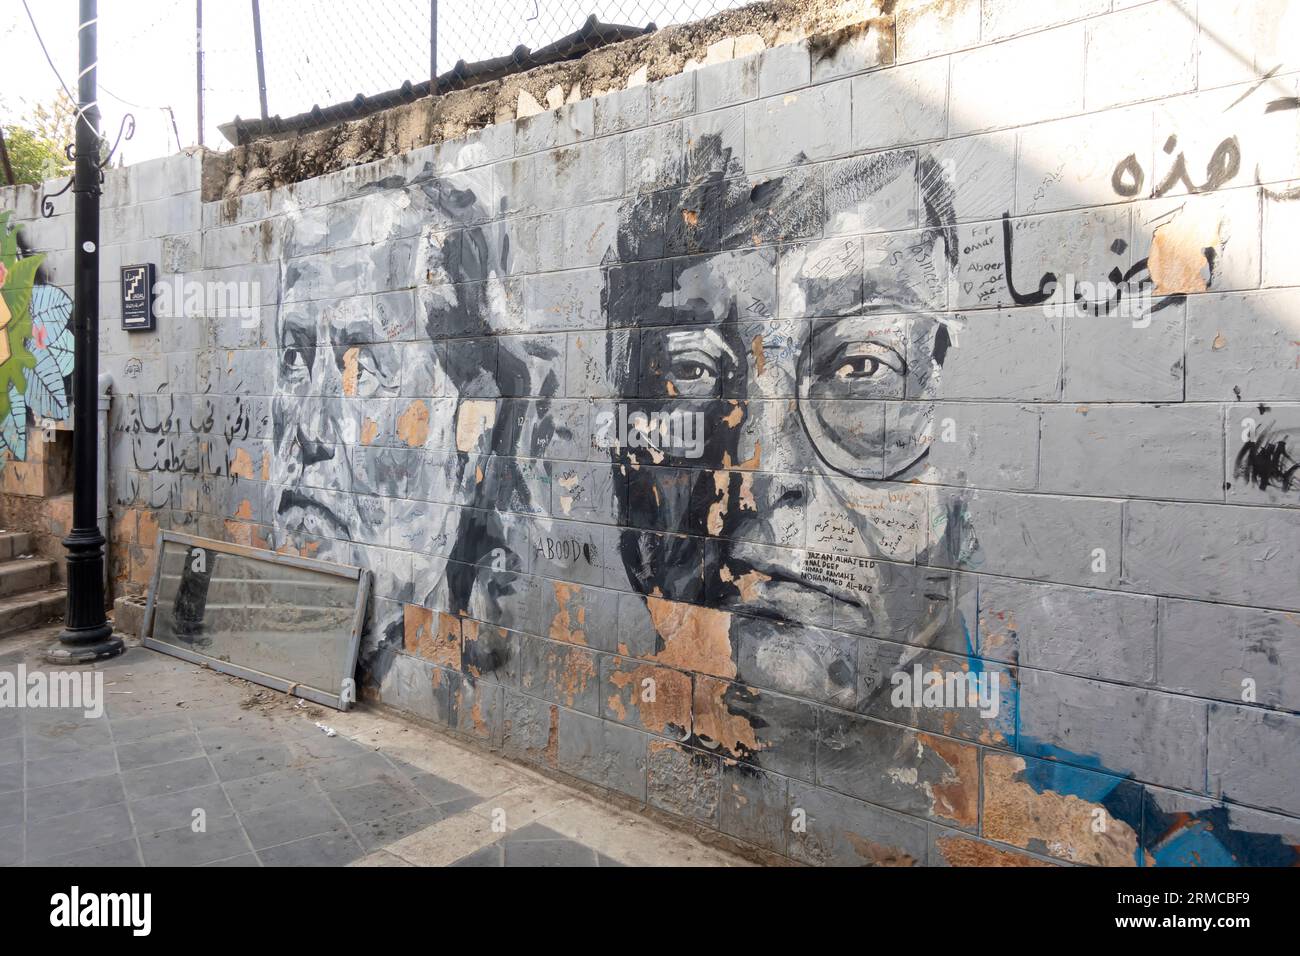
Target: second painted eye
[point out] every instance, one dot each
(865, 361)
(691, 370)
(295, 360)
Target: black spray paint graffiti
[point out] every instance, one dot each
(1223, 165)
(1265, 462)
(1136, 279)
(177, 445)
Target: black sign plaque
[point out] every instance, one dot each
(137, 297)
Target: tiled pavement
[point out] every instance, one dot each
(179, 743)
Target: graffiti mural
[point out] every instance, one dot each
(36, 347)
(869, 500)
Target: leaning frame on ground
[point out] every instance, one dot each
(852, 436)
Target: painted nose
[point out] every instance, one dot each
(313, 451)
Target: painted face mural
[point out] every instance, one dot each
(390, 410)
(793, 524)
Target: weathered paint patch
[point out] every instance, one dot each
(413, 424)
(966, 851)
(1051, 822)
(570, 620)
(657, 699)
(432, 636)
(692, 638)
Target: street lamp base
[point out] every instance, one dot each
(85, 646)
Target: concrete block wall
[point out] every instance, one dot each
(987, 318)
(150, 213)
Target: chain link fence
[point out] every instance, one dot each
(184, 70)
(300, 55)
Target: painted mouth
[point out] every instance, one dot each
(764, 589)
(306, 515)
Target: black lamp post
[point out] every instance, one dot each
(87, 636)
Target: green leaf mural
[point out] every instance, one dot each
(36, 343)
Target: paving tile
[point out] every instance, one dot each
(218, 737)
(446, 841)
(74, 797)
(344, 772)
(326, 849)
(251, 762)
(11, 808)
(168, 811)
(123, 853)
(168, 777)
(559, 852)
(11, 724)
(307, 740)
(275, 791)
(222, 840)
(373, 801)
(66, 768)
(152, 751)
(37, 718)
(534, 831)
(67, 737)
(439, 791)
(128, 729)
(245, 859)
(376, 833)
(490, 855)
(11, 845)
(287, 822)
(268, 789)
(524, 804)
(380, 858)
(56, 836)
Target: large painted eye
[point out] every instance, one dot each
(865, 361)
(295, 361)
(696, 370)
(695, 361)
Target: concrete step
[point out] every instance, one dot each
(18, 612)
(25, 574)
(14, 544)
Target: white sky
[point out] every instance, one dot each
(316, 52)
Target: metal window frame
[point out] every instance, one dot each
(306, 692)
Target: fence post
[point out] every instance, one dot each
(433, 46)
(257, 46)
(198, 59)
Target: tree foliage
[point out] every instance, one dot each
(36, 142)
